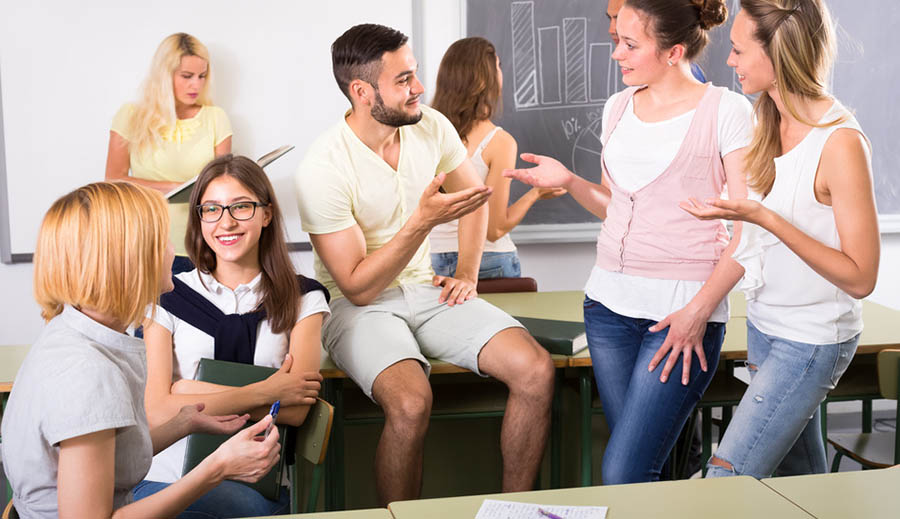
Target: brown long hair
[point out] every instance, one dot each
(279, 290)
(798, 36)
(468, 88)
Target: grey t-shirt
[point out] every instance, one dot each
(79, 377)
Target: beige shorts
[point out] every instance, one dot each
(407, 322)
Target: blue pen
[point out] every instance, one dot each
(273, 411)
(551, 515)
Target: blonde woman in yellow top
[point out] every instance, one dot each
(173, 130)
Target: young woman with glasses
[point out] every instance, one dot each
(262, 315)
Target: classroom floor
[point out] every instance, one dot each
(842, 417)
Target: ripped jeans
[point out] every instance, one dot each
(776, 428)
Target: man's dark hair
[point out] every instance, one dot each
(356, 54)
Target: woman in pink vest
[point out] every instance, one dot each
(812, 249)
(656, 296)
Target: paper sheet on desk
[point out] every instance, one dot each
(495, 509)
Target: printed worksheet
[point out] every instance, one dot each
(496, 509)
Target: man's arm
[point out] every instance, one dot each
(362, 277)
(472, 233)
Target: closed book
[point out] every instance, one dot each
(561, 337)
(199, 446)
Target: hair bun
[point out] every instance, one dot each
(711, 12)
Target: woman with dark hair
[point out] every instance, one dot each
(658, 290)
(235, 236)
(811, 250)
(469, 93)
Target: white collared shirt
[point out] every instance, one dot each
(190, 344)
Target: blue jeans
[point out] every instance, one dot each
(228, 499)
(645, 416)
(777, 428)
(493, 264)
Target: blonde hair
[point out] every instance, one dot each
(798, 37)
(102, 247)
(154, 113)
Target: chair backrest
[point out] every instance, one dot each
(888, 373)
(498, 285)
(314, 432)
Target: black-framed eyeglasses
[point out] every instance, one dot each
(211, 213)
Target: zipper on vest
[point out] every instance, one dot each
(625, 234)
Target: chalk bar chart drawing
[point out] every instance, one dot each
(555, 66)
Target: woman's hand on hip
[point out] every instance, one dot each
(686, 331)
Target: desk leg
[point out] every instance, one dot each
(707, 438)
(555, 430)
(584, 379)
(867, 415)
(334, 462)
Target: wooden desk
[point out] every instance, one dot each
(864, 493)
(11, 358)
(737, 498)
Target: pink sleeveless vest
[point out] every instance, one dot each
(645, 232)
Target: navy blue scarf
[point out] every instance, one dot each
(234, 334)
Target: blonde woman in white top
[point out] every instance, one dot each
(469, 92)
(813, 250)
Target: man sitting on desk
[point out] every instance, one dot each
(369, 192)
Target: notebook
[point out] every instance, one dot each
(199, 446)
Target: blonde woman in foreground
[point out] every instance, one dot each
(75, 435)
(813, 247)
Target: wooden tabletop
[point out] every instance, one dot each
(863, 493)
(371, 513)
(739, 497)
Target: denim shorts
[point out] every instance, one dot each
(776, 428)
(493, 264)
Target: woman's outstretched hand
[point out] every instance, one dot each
(549, 172)
(718, 209)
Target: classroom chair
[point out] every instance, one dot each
(311, 445)
(10, 512)
(498, 285)
(873, 450)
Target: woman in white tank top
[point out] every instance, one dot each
(813, 249)
(468, 92)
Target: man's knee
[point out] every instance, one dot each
(408, 408)
(528, 366)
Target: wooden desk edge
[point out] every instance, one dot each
(559, 361)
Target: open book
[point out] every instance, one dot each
(182, 193)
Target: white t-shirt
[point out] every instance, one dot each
(190, 344)
(637, 152)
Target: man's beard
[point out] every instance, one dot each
(391, 116)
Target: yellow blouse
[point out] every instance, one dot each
(184, 150)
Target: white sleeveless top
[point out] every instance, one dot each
(785, 297)
(445, 237)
